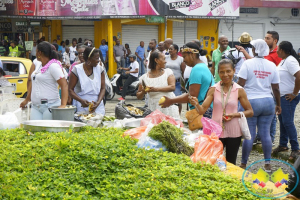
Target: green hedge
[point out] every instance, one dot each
(100, 164)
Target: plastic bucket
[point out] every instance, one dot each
(66, 114)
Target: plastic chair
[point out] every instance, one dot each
(11, 105)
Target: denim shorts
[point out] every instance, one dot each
(177, 91)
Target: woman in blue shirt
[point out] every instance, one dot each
(104, 48)
(200, 79)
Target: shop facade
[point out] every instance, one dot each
(257, 21)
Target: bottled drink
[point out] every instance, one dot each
(221, 164)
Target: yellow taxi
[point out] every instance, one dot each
(17, 70)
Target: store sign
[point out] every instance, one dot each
(4, 4)
(5, 26)
(155, 19)
(249, 10)
(21, 23)
(95, 9)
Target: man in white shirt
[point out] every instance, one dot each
(72, 52)
(66, 59)
(133, 74)
(33, 51)
(244, 52)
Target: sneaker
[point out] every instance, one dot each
(121, 99)
(268, 168)
(258, 141)
(294, 155)
(279, 149)
(243, 166)
(255, 141)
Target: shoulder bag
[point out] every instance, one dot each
(194, 118)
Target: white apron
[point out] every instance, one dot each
(90, 89)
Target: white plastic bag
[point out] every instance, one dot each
(9, 120)
(244, 127)
(191, 138)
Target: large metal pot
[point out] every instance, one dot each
(66, 114)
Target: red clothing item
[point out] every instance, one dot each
(273, 57)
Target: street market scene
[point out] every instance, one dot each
(150, 99)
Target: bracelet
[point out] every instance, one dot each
(293, 94)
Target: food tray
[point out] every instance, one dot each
(51, 125)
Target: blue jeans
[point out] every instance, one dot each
(264, 110)
(287, 126)
(273, 127)
(121, 63)
(142, 67)
(177, 91)
(41, 111)
(127, 62)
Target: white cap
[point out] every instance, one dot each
(261, 47)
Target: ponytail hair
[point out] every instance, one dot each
(195, 46)
(202, 52)
(48, 50)
(287, 47)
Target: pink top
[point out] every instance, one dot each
(232, 128)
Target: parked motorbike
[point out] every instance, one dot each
(109, 91)
(132, 89)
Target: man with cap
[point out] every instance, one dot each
(244, 51)
(133, 74)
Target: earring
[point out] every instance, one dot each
(88, 63)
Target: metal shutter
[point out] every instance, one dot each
(255, 30)
(288, 32)
(77, 29)
(178, 32)
(133, 34)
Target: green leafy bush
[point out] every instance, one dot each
(100, 164)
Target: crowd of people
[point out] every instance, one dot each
(261, 78)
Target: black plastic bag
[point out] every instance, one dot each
(121, 112)
(293, 180)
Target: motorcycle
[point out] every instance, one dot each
(132, 89)
(109, 91)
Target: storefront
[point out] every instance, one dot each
(104, 19)
(77, 29)
(257, 21)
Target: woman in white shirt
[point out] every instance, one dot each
(161, 82)
(46, 78)
(258, 76)
(176, 64)
(87, 83)
(289, 72)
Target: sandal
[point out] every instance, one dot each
(294, 155)
(279, 149)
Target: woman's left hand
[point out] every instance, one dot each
(228, 117)
(153, 89)
(95, 106)
(193, 101)
(290, 97)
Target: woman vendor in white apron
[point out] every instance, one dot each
(87, 83)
